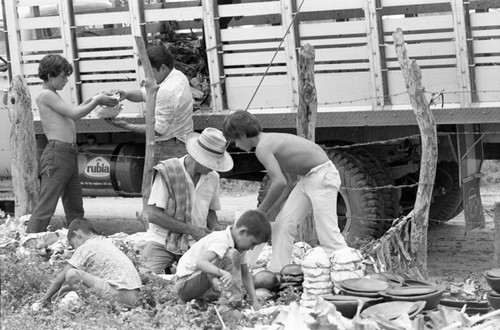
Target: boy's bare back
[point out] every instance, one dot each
(294, 154)
(56, 125)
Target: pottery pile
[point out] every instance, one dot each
(291, 276)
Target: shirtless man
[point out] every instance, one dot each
(283, 155)
(59, 166)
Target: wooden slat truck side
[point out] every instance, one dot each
(251, 51)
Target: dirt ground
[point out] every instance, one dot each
(453, 254)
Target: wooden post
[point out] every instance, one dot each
(151, 89)
(308, 101)
(24, 165)
(306, 122)
(496, 239)
(427, 126)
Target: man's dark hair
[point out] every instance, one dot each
(52, 65)
(82, 224)
(240, 123)
(257, 224)
(159, 55)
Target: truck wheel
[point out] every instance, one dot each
(388, 196)
(358, 207)
(449, 203)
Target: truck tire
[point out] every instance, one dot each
(358, 207)
(389, 197)
(449, 204)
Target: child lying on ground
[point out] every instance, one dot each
(98, 264)
(219, 257)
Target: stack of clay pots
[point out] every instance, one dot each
(316, 267)
(291, 276)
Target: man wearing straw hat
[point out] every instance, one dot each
(184, 198)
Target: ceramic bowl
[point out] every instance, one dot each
(394, 309)
(493, 282)
(493, 273)
(348, 305)
(471, 307)
(431, 299)
(365, 285)
(393, 279)
(410, 282)
(347, 292)
(493, 299)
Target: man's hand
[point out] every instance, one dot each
(200, 232)
(122, 93)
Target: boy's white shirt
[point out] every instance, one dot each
(218, 242)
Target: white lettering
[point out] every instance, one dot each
(97, 168)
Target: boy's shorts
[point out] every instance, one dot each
(129, 298)
(191, 286)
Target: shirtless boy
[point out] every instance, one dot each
(283, 155)
(59, 166)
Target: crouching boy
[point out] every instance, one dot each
(219, 258)
(98, 264)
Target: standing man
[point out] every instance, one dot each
(59, 166)
(282, 155)
(184, 198)
(174, 106)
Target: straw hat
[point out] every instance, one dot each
(209, 149)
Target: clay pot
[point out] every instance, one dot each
(266, 279)
(493, 282)
(493, 299)
(431, 299)
(292, 270)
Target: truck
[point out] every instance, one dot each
(243, 55)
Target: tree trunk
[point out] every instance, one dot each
(427, 126)
(306, 122)
(24, 165)
(151, 89)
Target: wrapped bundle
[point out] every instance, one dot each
(298, 252)
(316, 267)
(346, 263)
